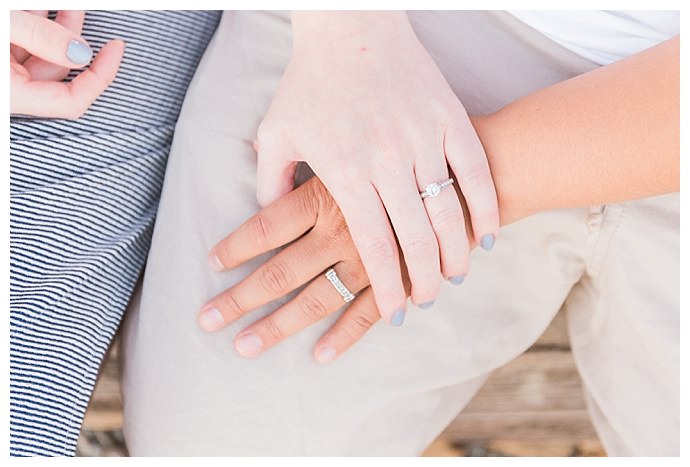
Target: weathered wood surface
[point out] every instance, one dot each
(531, 406)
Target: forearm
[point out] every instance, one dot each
(605, 136)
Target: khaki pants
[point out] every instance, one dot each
(615, 268)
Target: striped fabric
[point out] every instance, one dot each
(83, 197)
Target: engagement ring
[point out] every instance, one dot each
(434, 189)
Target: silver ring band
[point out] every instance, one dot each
(339, 286)
(434, 189)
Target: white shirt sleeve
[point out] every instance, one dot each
(604, 36)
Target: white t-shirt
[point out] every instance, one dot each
(604, 36)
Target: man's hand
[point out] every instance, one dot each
(309, 220)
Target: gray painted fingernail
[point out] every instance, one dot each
(398, 317)
(488, 241)
(457, 280)
(79, 53)
(427, 305)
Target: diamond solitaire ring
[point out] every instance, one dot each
(339, 286)
(434, 189)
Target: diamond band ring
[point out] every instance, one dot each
(434, 189)
(339, 286)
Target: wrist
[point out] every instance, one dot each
(316, 27)
(512, 182)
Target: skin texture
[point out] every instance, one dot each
(363, 103)
(39, 63)
(606, 136)
(617, 141)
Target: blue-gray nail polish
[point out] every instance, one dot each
(398, 317)
(79, 53)
(488, 241)
(427, 305)
(457, 280)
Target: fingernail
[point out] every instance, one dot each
(457, 280)
(215, 263)
(398, 317)
(427, 305)
(249, 345)
(79, 53)
(326, 354)
(211, 320)
(488, 241)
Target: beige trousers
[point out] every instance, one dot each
(615, 268)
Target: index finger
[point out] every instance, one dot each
(275, 225)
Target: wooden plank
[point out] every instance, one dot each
(539, 380)
(443, 447)
(561, 424)
(537, 396)
(545, 448)
(103, 419)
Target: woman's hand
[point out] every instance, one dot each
(366, 107)
(42, 52)
(644, 167)
(326, 243)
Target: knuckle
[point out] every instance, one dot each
(357, 325)
(38, 33)
(275, 277)
(310, 194)
(362, 322)
(75, 111)
(338, 233)
(319, 196)
(384, 139)
(350, 177)
(354, 278)
(421, 246)
(484, 215)
(231, 306)
(266, 133)
(309, 205)
(476, 175)
(380, 251)
(75, 103)
(260, 229)
(312, 308)
(448, 219)
(272, 330)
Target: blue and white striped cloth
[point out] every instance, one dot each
(83, 198)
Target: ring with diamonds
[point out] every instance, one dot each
(339, 286)
(434, 189)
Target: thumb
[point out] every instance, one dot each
(49, 40)
(275, 176)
